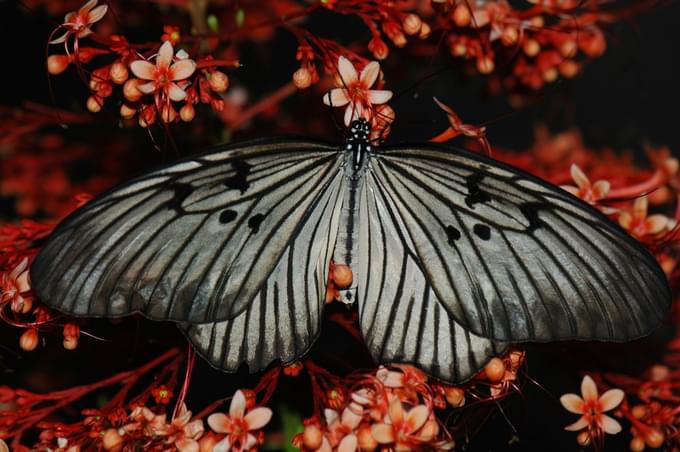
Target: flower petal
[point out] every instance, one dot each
(219, 422)
(250, 442)
(579, 176)
(348, 443)
(165, 54)
(416, 417)
(588, 389)
(640, 208)
(222, 446)
(87, 6)
(258, 418)
(578, 425)
(60, 39)
(571, 189)
(325, 446)
(611, 399)
(238, 404)
(85, 31)
(337, 97)
(601, 189)
(69, 17)
(369, 74)
(187, 445)
(379, 96)
(194, 429)
(350, 418)
(573, 403)
(96, 14)
(143, 69)
(330, 415)
(348, 74)
(182, 69)
(625, 220)
(22, 283)
(382, 433)
(146, 88)
(176, 93)
(656, 223)
(609, 425)
(353, 112)
(395, 411)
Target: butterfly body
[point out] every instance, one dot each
(454, 255)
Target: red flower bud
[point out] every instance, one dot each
(119, 72)
(412, 24)
(302, 78)
(378, 48)
(218, 81)
(56, 64)
(29, 340)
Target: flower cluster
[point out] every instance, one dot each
(400, 408)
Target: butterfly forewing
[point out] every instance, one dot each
(191, 242)
(401, 318)
(284, 317)
(513, 258)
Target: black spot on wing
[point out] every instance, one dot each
(180, 192)
(239, 181)
(227, 216)
(475, 194)
(452, 233)
(255, 221)
(530, 211)
(482, 231)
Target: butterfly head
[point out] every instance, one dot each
(358, 143)
(360, 130)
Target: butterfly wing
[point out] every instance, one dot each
(284, 318)
(194, 241)
(401, 318)
(513, 258)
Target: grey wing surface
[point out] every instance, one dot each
(191, 242)
(401, 318)
(284, 318)
(514, 258)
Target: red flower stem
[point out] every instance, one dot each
(633, 191)
(67, 396)
(207, 63)
(191, 356)
(264, 104)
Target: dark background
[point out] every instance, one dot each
(623, 100)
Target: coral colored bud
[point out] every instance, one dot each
(71, 330)
(187, 113)
(207, 442)
(147, 116)
(378, 48)
(461, 15)
(29, 340)
(104, 89)
(485, 65)
(550, 75)
(168, 114)
(342, 276)
(412, 24)
(495, 370)
(302, 78)
(568, 48)
(393, 32)
(127, 112)
(56, 64)
(130, 90)
(654, 438)
(111, 440)
(637, 444)
(218, 81)
(455, 396)
(85, 54)
(425, 31)
(94, 103)
(365, 439)
(509, 36)
(119, 72)
(70, 343)
(583, 438)
(22, 305)
(568, 68)
(312, 437)
(531, 47)
(592, 44)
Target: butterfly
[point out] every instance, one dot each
(454, 255)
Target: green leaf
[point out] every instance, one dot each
(292, 425)
(213, 23)
(239, 17)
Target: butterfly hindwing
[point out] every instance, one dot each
(513, 258)
(285, 316)
(400, 316)
(193, 241)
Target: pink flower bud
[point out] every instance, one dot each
(218, 81)
(130, 90)
(461, 15)
(56, 64)
(378, 48)
(29, 340)
(119, 72)
(94, 103)
(412, 24)
(187, 113)
(127, 112)
(302, 78)
(312, 437)
(112, 441)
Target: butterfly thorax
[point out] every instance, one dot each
(357, 152)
